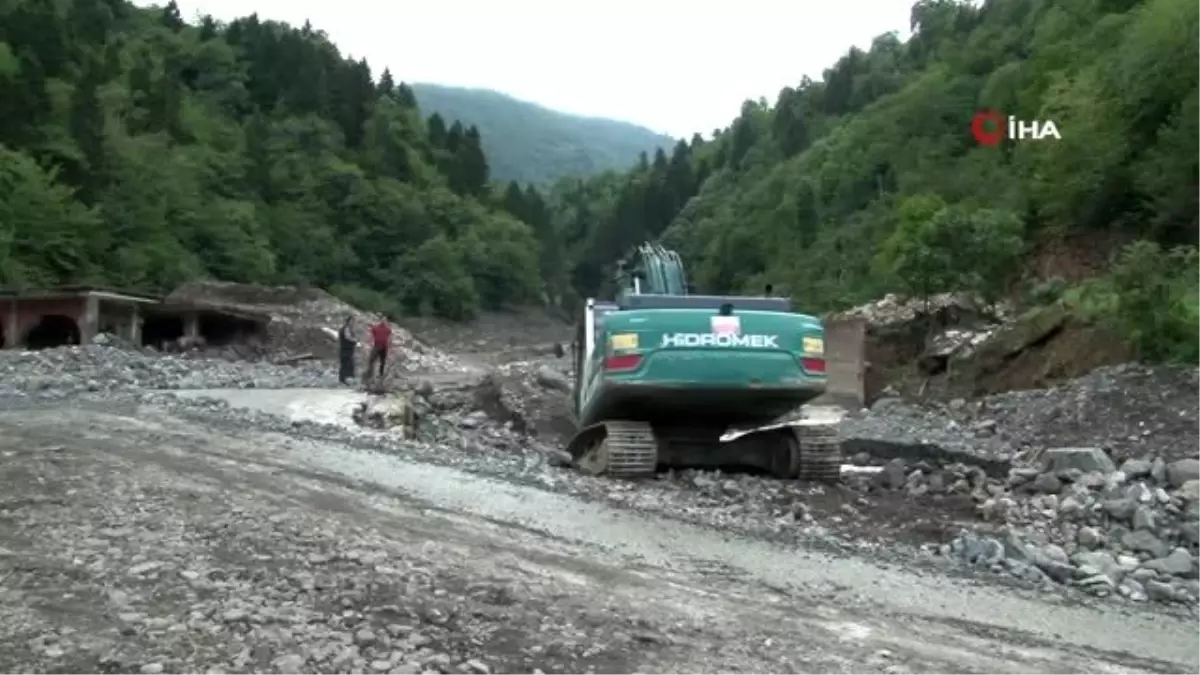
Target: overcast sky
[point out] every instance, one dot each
(655, 63)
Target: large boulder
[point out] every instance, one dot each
(392, 412)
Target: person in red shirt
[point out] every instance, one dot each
(381, 339)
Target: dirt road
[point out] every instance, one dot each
(131, 540)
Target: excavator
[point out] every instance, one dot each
(667, 378)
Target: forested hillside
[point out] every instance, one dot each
(531, 144)
(141, 152)
(869, 180)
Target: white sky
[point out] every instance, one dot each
(657, 64)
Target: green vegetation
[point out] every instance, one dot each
(138, 151)
(141, 152)
(531, 144)
(869, 180)
(1151, 296)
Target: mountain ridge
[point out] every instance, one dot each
(532, 143)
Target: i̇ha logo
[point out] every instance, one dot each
(990, 128)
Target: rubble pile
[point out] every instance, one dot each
(1098, 473)
(306, 321)
(1079, 519)
(66, 371)
(893, 309)
(1130, 410)
(515, 404)
(393, 412)
(908, 340)
(539, 393)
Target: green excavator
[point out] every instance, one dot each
(665, 378)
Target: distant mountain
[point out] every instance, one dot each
(529, 143)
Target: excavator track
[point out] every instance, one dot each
(820, 453)
(623, 449)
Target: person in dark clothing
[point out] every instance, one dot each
(381, 338)
(346, 345)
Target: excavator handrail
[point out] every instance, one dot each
(663, 301)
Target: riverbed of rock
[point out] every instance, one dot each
(118, 556)
(68, 371)
(1130, 410)
(972, 497)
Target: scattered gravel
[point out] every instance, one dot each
(1104, 507)
(68, 371)
(948, 481)
(131, 555)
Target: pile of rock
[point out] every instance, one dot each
(1130, 410)
(540, 393)
(66, 371)
(393, 412)
(1075, 518)
(893, 309)
(306, 321)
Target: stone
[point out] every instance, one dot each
(552, 379)
(1083, 459)
(1089, 537)
(1144, 542)
(1189, 532)
(1190, 491)
(1100, 561)
(393, 412)
(1144, 518)
(1047, 483)
(1158, 471)
(1120, 509)
(1136, 468)
(1159, 591)
(1178, 563)
(1182, 471)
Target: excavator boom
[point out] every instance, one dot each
(655, 270)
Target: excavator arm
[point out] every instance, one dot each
(654, 270)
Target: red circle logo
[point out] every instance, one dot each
(987, 126)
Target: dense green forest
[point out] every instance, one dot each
(869, 181)
(138, 151)
(528, 143)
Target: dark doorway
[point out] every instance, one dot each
(158, 329)
(223, 329)
(53, 330)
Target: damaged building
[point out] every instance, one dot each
(75, 315)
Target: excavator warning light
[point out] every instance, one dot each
(624, 341)
(814, 346)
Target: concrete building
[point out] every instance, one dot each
(74, 315)
(69, 315)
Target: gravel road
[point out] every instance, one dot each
(135, 541)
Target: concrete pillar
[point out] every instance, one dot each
(12, 325)
(135, 324)
(191, 325)
(89, 322)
